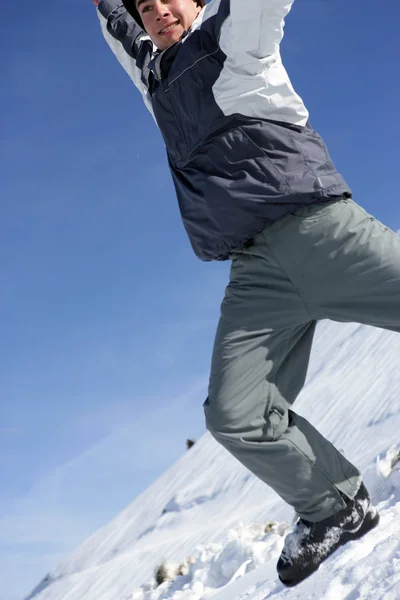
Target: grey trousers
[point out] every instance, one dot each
(327, 261)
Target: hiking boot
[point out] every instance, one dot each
(311, 543)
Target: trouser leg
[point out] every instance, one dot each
(347, 265)
(259, 365)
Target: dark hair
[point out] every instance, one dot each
(130, 6)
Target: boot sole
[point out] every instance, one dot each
(369, 523)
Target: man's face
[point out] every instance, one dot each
(166, 20)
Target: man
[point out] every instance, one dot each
(256, 185)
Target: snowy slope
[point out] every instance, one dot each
(208, 507)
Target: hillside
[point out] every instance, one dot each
(208, 507)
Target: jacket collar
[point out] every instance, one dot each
(162, 60)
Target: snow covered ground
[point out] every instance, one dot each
(224, 529)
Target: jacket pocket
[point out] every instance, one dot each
(268, 164)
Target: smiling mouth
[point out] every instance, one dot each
(169, 28)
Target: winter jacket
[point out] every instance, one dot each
(240, 148)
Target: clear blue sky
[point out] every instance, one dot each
(106, 317)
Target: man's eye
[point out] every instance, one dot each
(146, 9)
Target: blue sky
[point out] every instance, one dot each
(106, 316)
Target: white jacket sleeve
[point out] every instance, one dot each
(256, 28)
(127, 40)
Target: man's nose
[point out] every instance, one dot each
(161, 10)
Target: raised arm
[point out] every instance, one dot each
(126, 39)
(254, 28)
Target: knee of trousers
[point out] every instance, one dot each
(227, 425)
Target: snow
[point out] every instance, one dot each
(222, 529)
